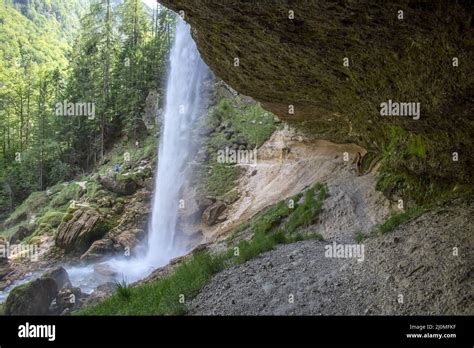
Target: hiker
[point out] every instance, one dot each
(358, 163)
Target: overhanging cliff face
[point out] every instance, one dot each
(405, 57)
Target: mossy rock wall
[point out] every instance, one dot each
(299, 62)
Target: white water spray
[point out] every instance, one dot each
(184, 103)
(184, 93)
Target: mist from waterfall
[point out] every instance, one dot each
(185, 97)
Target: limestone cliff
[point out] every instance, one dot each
(404, 51)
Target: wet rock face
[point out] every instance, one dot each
(33, 298)
(84, 226)
(212, 213)
(98, 249)
(126, 186)
(59, 275)
(100, 293)
(299, 62)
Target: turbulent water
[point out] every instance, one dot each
(185, 97)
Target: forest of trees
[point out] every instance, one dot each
(117, 55)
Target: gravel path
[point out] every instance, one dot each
(414, 265)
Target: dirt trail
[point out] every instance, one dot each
(353, 204)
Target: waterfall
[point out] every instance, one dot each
(185, 97)
(184, 91)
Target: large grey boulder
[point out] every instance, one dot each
(124, 186)
(60, 276)
(33, 298)
(79, 230)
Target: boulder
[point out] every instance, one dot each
(59, 275)
(211, 213)
(78, 231)
(69, 299)
(98, 249)
(130, 238)
(123, 186)
(100, 293)
(33, 298)
(205, 202)
(241, 141)
(21, 233)
(104, 269)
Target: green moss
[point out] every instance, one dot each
(32, 205)
(102, 227)
(68, 216)
(418, 146)
(219, 178)
(247, 122)
(147, 150)
(70, 192)
(92, 189)
(52, 218)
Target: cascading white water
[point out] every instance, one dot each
(184, 93)
(185, 96)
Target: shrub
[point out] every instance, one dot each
(397, 219)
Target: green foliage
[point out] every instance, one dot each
(123, 290)
(418, 146)
(163, 296)
(306, 213)
(271, 218)
(359, 236)
(259, 244)
(219, 177)
(67, 217)
(117, 56)
(52, 218)
(33, 204)
(102, 227)
(397, 219)
(279, 224)
(92, 189)
(250, 121)
(71, 191)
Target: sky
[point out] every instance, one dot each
(150, 3)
